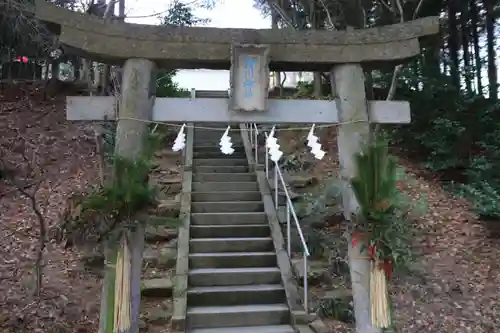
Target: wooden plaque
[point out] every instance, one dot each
(249, 77)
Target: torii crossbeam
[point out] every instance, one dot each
(281, 111)
(114, 42)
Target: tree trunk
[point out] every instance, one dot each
(121, 10)
(317, 84)
(369, 84)
(97, 76)
(477, 50)
(490, 34)
(317, 80)
(54, 69)
(86, 72)
(431, 63)
(453, 42)
(121, 14)
(444, 61)
(465, 33)
(110, 10)
(274, 25)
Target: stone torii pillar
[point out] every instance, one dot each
(353, 132)
(136, 102)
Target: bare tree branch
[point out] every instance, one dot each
(417, 9)
(27, 178)
(328, 16)
(401, 11)
(386, 5)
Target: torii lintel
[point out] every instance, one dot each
(114, 42)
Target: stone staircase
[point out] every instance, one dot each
(234, 283)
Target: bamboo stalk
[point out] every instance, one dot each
(380, 315)
(122, 288)
(118, 285)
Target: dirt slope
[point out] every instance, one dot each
(65, 151)
(455, 284)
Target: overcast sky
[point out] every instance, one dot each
(228, 14)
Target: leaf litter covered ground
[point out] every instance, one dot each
(66, 152)
(454, 285)
(453, 288)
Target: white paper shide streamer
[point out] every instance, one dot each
(274, 148)
(226, 146)
(313, 143)
(180, 140)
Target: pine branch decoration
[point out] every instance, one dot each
(375, 183)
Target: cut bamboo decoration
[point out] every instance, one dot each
(379, 297)
(122, 289)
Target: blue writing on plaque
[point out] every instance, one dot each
(249, 64)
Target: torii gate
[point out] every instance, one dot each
(250, 55)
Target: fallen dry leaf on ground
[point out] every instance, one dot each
(455, 287)
(68, 301)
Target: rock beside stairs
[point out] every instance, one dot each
(159, 234)
(164, 258)
(157, 287)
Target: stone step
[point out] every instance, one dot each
(216, 231)
(227, 207)
(241, 315)
(220, 169)
(218, 154)
(236, 295)
(247, 329)
(224, 186)
(214, 147)
(234, 276)
(215, 136)
(210, 147)
(224, 177)
(228, 218)
(232, 259)
(215, 142)
(220, 161)
(226, 196)
(233, 244)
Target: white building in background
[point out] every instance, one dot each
(203, 79)
(206, 79)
